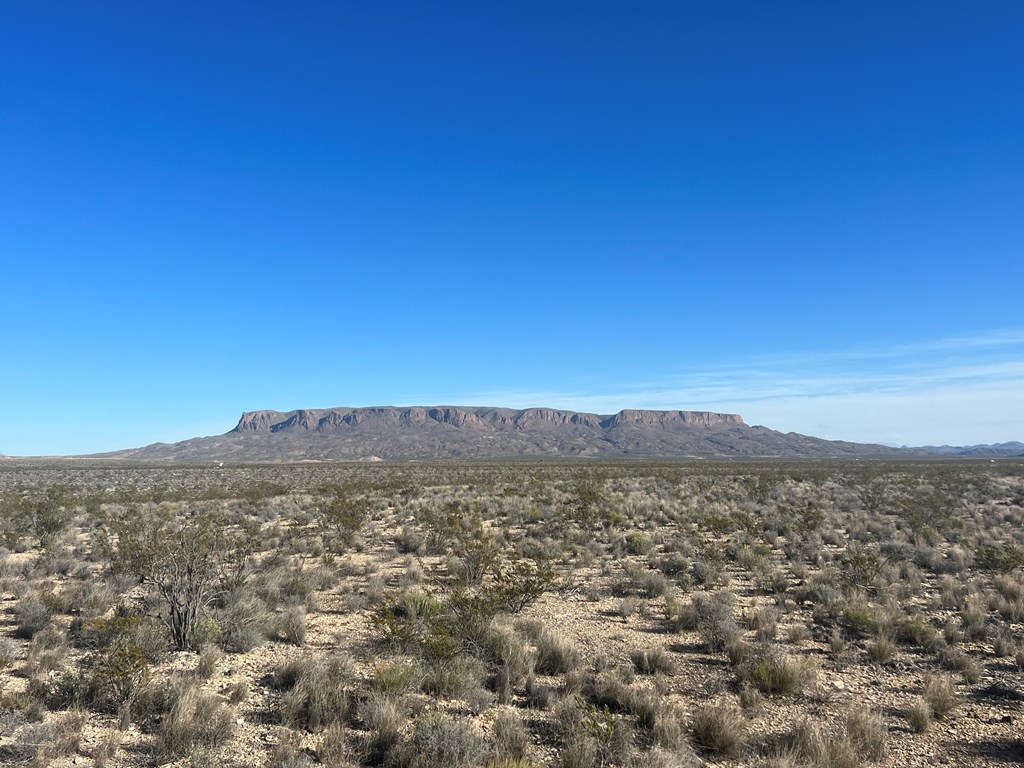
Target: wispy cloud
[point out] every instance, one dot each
(959, 390)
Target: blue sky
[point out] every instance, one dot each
(804, 213)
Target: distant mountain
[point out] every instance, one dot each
(458, 432)
(1013, 448)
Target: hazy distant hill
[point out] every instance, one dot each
(1013, 448)
(457, 432)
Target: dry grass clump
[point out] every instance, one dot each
(197, 718)
(397, 678)
(31, 615)
(712, 615)
(653, 661)
(333, 748)
(940, 695)
(438, 740)
(592, 734)
(42, 743)
(318, 691)
(811, 744)
(288, 753)
(106, 749)
(511, 738)
(775, 674)
(556, 654)
(868, 734)
(919, 716)
(209, 657)
(719, 730)
(882, 649)
(858, 738)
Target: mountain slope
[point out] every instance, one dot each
(458, 432)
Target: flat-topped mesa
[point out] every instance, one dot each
(448, 432)
(501, 419)
(672, 418)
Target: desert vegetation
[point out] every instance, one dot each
(512, 615)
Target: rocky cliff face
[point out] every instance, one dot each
(671, 418)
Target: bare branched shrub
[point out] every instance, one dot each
(187, 562)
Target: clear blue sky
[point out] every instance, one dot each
(807, 213)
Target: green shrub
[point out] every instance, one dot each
(117, 675)
(917, 631)
(860, 618)
(639, 543)
(520, 582)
